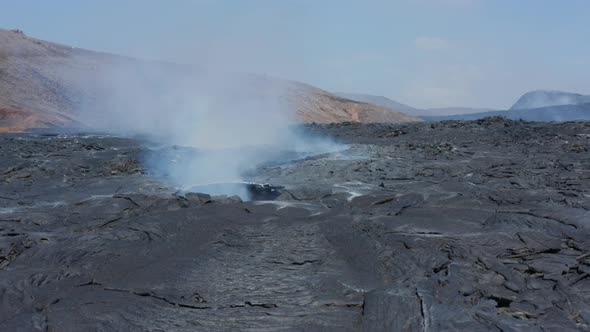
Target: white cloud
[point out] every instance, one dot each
(431, 44)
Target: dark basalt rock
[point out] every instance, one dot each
(454, 225)
(248, 191)
(263, 192)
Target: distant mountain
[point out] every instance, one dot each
(451, 111)
(394, 105)
(46, 85)
(551, 113)
(545, 98)
(539, 105)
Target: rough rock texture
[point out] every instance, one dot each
(445, 226)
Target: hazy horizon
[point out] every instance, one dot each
(424, 53)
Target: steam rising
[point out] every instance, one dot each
(211, 127)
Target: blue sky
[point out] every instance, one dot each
(427, 53)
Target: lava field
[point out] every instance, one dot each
(454, 225)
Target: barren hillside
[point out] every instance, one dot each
(40, 87)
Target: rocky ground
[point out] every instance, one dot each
(428, 226)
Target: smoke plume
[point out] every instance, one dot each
(210, 127)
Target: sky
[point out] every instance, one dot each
(425, 53)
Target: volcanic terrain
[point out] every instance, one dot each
(48, 85)
(480, 225)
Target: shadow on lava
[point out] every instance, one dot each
(247, 191)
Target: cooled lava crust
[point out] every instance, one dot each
(469, 226)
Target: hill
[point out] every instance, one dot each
(538, 105)
(451, 111)
(49, 85)
(546, 98)
(379, 100)
(557, 113)
(392, 104)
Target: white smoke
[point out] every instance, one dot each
(220, 125)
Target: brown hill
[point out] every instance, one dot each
(40, 87)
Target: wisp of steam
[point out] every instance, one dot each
(211, 128)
